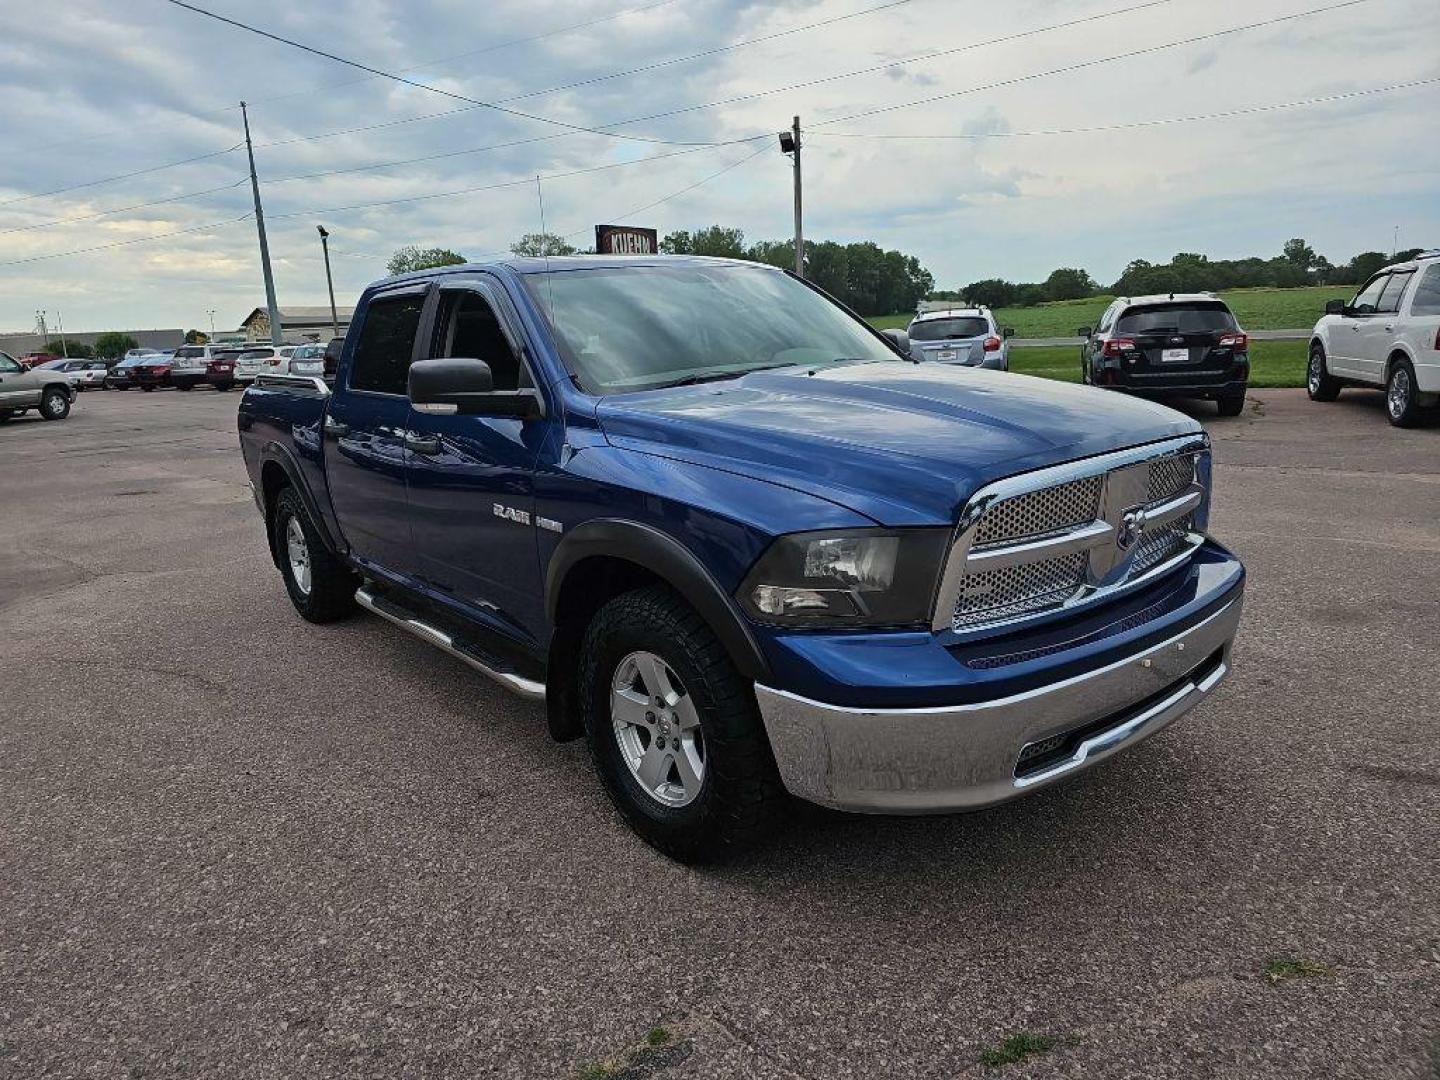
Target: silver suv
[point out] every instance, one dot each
(965, 336)
(45, 389)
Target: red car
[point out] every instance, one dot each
(151, 373)
(35, 359)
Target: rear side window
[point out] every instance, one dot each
(1426, 300)
(945, 329)
(1191, 318)
(193, 350)
(1390, 298)
(382, 355)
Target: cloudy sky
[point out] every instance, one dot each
(97, 89)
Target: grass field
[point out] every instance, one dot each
(1272, 363)
(1257, 309)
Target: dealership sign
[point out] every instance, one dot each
(625, 240)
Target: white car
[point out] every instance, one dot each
(1388, 335)
(302, 360)
(967, 336)
(83, 374)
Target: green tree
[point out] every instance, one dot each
(411, 258)
(114, 344)
(1365, 264)
(1068, 283)
(991, 292)
(1298, 253)
(542, 244)
(196, 337)
(678, 242)
(718, 240)
(68, 347)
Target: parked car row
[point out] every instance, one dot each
(222, 367)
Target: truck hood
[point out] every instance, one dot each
(901, 443)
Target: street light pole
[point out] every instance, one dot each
(270, 305)
(329, 281)
(60, 325)
(212, 324)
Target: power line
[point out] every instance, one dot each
(417, 85)
(443, 60)
(596, 79)
(122, 176)
(123, 209)
(1227, 114)
(1082, 65)
(123, 243)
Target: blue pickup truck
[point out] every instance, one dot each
(742, 543)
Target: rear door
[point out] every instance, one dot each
(1420, 326)
(471, 478)
(365, 429)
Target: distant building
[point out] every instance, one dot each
(20, 344)
(296, 323)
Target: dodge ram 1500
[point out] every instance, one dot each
(740, 541)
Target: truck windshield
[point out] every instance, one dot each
(637, 328)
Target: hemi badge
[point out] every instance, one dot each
(550, 524)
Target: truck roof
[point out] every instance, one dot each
(527, 264)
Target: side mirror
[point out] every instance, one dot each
(467, 386)
(1084, 331)
(1008, 332)
(900, 340)
(1334, 307)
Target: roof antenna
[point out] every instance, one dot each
(545, 250)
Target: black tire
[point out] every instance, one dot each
(185, 386)
(6, 414)
(54, 404)
(740, 795)
(147, 387)
(1319, 383)
(1402, 407)
(1232, 405)
(332, 584)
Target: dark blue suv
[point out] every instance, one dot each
(733, 536)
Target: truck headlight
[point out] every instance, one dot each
(863, 577)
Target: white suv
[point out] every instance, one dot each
(1387, 335)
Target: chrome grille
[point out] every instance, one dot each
(1169, 476)
(1070, 534)
(1159, 545)
(1038, 513)
(992, 595)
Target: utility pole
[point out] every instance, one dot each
(212, 324)
(790, 144)
(270, 305)
(44, 331)
(60, 323)
(329, 281)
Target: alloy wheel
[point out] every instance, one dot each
(657, 728)
(1398, 397)
(297, 552)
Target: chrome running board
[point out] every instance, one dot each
(405, 619)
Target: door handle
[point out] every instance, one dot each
(336, 428)
(429, 445)
(1389, 327)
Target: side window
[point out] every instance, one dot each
(9, 365)
(1366, 299)
(1426, 299)
(1106, 319)
(468, 327)
(382, 355)
(1390, 298)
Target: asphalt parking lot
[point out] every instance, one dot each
(235, 844)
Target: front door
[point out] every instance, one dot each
(14, 383)
(1377, 333)
(471, 478)
(365, 452)
(1344, 358)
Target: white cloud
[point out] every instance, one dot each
(154, 84)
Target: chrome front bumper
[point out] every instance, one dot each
(965, 757)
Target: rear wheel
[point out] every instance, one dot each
(1231, 405)
(185, 386)
(148, 387)
(54, 404)
(1402, 405)
(6, 414)
(321, 587)
(674, 729)
(1319, 383)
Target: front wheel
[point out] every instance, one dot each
(54, 404)
(674, 729)
(1319, 383)
(148, 387)
(1233, 405)
(1401, 405)
(321, 587)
